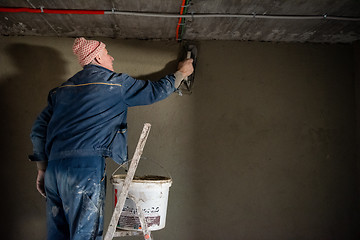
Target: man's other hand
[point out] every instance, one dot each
(40, 186)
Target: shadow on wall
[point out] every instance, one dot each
(23, 95)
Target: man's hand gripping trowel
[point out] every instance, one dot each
(188, 82)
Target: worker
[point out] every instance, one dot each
(83, 123)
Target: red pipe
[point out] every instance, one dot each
(74, 11)
(30, 10)
(51, 11)
(180, 19)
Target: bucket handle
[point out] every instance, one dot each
(121, 165)
(125, 163)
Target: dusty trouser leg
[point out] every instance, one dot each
(57, 226)
(81, 187)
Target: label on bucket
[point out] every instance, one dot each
(129, 216)
(134, 222)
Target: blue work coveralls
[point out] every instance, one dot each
(84, 122)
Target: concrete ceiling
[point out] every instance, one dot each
(196, 27)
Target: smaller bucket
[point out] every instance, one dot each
(152, 194)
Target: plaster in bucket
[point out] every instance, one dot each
(150, 194)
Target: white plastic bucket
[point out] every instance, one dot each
(151, 193)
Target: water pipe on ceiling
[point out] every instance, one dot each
(182, 16)
(169, 15)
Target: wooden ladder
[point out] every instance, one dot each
(112, 231)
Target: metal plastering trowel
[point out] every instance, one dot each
(187, 84)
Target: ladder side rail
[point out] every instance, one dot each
(129, 177)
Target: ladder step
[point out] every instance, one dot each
(123, 233)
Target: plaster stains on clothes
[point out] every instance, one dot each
(75, 191)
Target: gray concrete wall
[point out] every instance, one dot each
(264, 148)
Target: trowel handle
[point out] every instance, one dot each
(188, 55)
